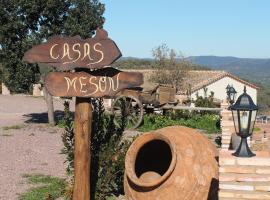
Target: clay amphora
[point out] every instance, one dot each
(173, 163)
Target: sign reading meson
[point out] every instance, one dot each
(71, 52)
(100, 83)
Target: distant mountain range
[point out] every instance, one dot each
(251, 69)
(256, 70)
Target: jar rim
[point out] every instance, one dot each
(133, 153)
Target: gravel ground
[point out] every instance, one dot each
(18, 109)
(32, 148)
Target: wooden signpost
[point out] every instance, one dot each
(93, 53)
(73, 52)
(101, 83)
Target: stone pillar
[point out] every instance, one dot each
(227, 126)
(37, 90)
(5, 90)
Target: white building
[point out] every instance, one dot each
(203, 82)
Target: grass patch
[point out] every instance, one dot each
(44, 187)
(208, 123)
(13, 127)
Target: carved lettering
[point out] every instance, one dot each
(66, 51)
(98, 83)
(51, 52)
(103, 81)
(82, 84)
(101, 84)
(99, 51)
(117, 83)
(82, 52)
(93, 83)
(70, 83)
(75, 52)
(86, 48)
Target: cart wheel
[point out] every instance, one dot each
(128, 112)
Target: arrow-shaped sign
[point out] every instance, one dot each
(72, 52)
(100, 83)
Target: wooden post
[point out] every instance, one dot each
(82, 157)
(49, 103)
(57, 51)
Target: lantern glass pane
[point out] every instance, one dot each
(244, 122)
(232, 96)
(235, 120)
(253, 120)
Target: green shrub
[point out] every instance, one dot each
(68, 138)
(208, 123)
(107, 153)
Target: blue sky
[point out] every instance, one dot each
(238, 28)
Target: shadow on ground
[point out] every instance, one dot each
(42, 117)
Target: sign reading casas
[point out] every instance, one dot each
(71, 52)
(99, 83)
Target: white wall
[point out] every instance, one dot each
(219, 89)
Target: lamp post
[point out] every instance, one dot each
(244, 113)
(231, 94)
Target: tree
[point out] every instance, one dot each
(25, 23)
(170, 68)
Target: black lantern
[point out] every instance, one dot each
(231, 93)
(244, 115)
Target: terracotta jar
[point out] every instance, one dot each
(173, 163)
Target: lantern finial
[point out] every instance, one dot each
(245, 89)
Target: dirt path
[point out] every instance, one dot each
(20, 109)
(32, 148)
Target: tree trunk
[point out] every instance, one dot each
(49, 102)
(82, 154)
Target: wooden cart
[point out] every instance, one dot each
(130, 105)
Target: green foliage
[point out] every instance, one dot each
(45, 187)
(206, 101)
(25, 23)
(68, 138)
(107, 152)
(111, 169)
(208, 123)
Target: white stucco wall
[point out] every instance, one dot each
(219, 89)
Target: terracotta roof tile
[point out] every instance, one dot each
(196, 79)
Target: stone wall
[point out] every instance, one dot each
(244, 178)
(5, 90)
(241, 178)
